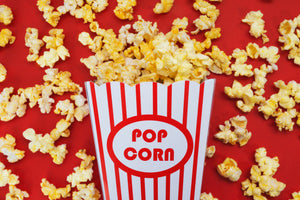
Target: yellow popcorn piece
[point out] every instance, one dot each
(260, 77)
(261, 179)
(45, 144)
(65, 108)
(284, 120)
(240, 56)
(242, 70)
(239, 134)
(98, 5)
(269, 107)
(253, 50)
(289, 40)
(208, 18)
(86, 192)
(229, 169)
(257, 25)
(84, 172)
(221, 61)
(16, 194)
(163, 7)
(7, 147)
(210, 151)
(294, 53)
(52, 192)
(124, 9)
(85, 12)
(6, 15)
(34, 44)
(296, 196)
(287, 27)
(6, 37)
(50, 15)
(7, 178)
(3, 73)
(45, 101)
(207, 196)
(61, 129)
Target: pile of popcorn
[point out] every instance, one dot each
(261, 180)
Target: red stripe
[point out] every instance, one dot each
(169, 114)
(197, 140)
(143, 190)
(111, 119)
(123, 101)
(129, 180)
(184, 122)
(155, 185)
(154, 98)
(138, 99)
(98, 130)
(110, 106)
(168, 187)
(118, 183)
(169, 106)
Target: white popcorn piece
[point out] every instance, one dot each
(86, 192)
(7, 178)
(52, 192)
(16, 194)
(6, 15)
(163, 7)
(7, 147)
(207, 196)
(3, 73)
(210, 151)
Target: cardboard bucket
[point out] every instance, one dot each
(150, 139)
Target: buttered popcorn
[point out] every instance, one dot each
(207, 196)
(6, 15)
(34, 44)
(163, 7)
(290, 37)
(229, 169)
(52, 192)
(296, 196)
(86, 192)
(6, 37)
(234, 131)
(84, 172)
(7, 147)
(124, 9)
(261, 180)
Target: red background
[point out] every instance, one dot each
(33, 167)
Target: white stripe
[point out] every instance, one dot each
(146, 98)
(177, 101)
(162, 188)
(130, 97)
(136, 189)
(124, 184)
(174, 185)
(162, 100)
(149, 190)
(116, 102)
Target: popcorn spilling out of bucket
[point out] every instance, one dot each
(150, 139)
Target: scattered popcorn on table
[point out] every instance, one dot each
(6, 15)
(261, 180)
(124, 9)
(6, 37)
(257, 25)
(239, 134)
(210, 151)
(205, 196)
(290, 37)
(84, 172)
(86, 192)
(163, 7)
(52, 192)
(7, 147)
(3, 73)
(229, 169)
(16, 194)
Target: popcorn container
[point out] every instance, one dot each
(150, 139)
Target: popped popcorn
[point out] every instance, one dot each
(229, 169)
(296, 196)
(207, 196)
(221, 61)
(261, 180)
(124, 9)
(16, 194)
(6, 37)
(210, 151)
(239, 134)
(52, 192)
(6, 15)
(7, 147)
(84, 172)
(7, 178)
(257, 25)
(290, 37)
(163, 7)
(50, 15)
(3, 73)
(208, 18)
(86, 192)
(34, 44)
(45, 144)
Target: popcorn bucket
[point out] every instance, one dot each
(150, 139)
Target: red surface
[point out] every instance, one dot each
(33, 167)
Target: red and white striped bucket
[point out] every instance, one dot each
(150, 139)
